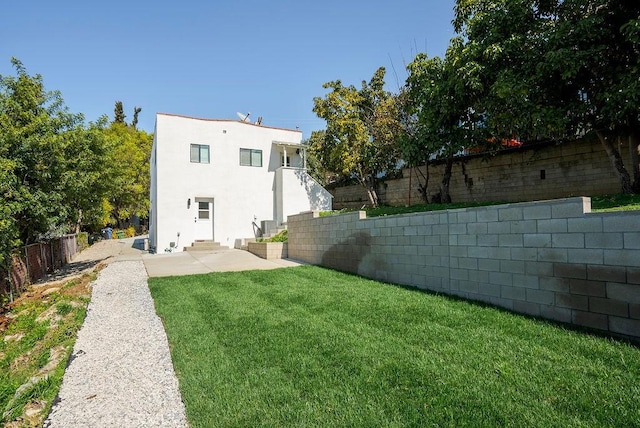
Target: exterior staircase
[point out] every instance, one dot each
(208, 246)
(269, 229)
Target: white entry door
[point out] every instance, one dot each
(204, 219)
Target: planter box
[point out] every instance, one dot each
(269, 250)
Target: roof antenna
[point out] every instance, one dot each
(243, 117)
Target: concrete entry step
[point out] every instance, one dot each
(205, 245)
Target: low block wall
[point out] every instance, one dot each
(268, 250)
(553, 259)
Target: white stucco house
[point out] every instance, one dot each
(211, 180)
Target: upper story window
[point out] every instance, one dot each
(200, 153)
(250, 157)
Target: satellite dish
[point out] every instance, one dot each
(243, 117)
(259, 121)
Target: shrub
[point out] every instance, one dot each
(280, 237)
(82, 240)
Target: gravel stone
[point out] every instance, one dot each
(120, 373)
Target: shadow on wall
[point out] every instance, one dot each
(319, 197)
(354, 255)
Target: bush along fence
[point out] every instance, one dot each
(552, 259)
(34, 262)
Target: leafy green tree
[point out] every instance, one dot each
(314, 166)
(440, 120)
(504, 54)
(86, 177)
(9, 236)
(414, 154)
(49, 163)
(128, 172)
(33, 123)
(118, 113)
(360, 137)
(555, 69)
(55, 173)
(598, 40)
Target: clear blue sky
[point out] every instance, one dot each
(214, 58)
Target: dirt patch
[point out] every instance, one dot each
(50, 315)
(81, 288)
(74, 286)
(20, 361)
(16, 337)
(56, 355)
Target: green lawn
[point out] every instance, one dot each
(619, 202)
(308, 346)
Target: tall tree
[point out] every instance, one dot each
(128, 172)
(118, 113)
(314, 165)
(360, 137)
(556, 69)
(410, 145)
(33, 123)
(596, 38)
(86, 177)
(48, 162)
(439, 107)
(136, 111)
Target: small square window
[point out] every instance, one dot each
(200, 153)
(250, 157)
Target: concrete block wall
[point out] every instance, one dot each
(535, 173)
(269, 250)
(554, 259)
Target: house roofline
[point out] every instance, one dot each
(227, 120)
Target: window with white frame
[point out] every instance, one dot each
(250, 157)
(200, 153)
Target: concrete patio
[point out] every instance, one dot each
(188, 263)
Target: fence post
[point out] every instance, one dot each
(43, 260)
(9, 268)
(26, 260)
(63, 250)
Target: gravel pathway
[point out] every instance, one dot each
(120, 374)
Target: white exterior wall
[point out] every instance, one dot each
(239, 193)
(153, 218)
(297, 191)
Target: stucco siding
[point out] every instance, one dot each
(297, 191)
(240, 194)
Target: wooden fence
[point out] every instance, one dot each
(34, 262)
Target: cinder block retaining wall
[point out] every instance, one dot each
(525, 174)
(268, 250)
(553, 259)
